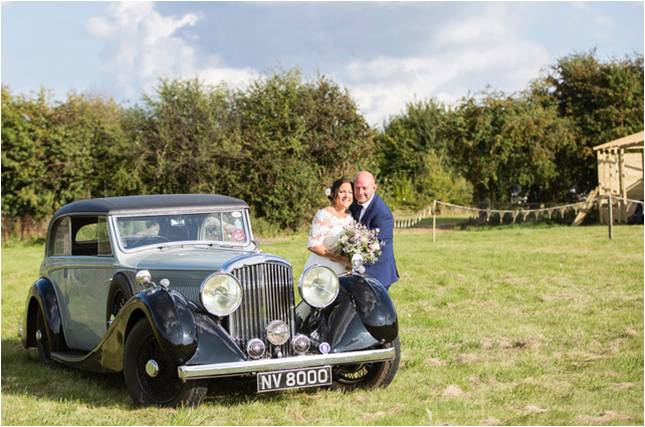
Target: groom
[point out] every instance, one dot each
(371, 211)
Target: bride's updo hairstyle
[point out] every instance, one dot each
(335, 187)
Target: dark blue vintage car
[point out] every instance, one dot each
(173, 291)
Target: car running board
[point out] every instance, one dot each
(69, 356)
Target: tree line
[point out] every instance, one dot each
(278, 142)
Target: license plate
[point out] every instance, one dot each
(294, 378)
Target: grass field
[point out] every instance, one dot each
(515, 325)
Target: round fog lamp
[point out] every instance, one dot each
(301, 344)
(255, 348)
(278, 332)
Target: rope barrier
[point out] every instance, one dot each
(505, 211)
(422, 214)
(640, 202)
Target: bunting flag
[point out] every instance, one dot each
(486, 213)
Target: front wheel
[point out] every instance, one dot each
(151, 374)
(368, 375)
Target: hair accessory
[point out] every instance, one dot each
(327, 191)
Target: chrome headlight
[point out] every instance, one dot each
(221, 294)
(318, 286)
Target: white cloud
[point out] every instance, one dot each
(480, 51)
(601, 24)
(141, 45)
(492, 25)
(233, 76)
(99, 27)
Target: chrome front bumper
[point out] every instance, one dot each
(187, 372)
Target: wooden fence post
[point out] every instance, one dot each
(611, 219)
(434, 220)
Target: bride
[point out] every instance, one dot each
(327, 225)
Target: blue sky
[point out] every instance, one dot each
(386, 53)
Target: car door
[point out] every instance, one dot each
(89, 273)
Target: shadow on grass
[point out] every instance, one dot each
(240, 391)
(442, 222)
(25, 376)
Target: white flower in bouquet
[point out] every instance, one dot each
(356, 239)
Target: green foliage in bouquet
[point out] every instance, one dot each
(356, 239)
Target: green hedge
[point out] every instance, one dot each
(280, 141)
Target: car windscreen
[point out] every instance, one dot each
(226, 227)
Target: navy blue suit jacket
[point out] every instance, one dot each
(378, 215)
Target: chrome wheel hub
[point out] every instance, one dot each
(152, 368)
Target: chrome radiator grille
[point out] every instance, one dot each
(268, 295)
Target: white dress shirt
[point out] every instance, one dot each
(364, 207)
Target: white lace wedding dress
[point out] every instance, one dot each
(326, 229)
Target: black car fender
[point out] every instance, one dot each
(171, 318)
(187, 336)
(361, 317)
(373, 305)
(191, 337)
(42, 296)
(215, 345)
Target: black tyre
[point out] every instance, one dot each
(163, 389)
(368, 375)
(42, 337)
(120, 292)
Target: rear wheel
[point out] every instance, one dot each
(42, 337)
(151, 374)
(368, 375)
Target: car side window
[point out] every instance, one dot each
(90, 237)
(60, 244)
(105, 248)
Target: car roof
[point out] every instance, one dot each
(150, 203)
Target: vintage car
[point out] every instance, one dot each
(173, 291)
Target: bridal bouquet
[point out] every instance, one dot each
(356, 239)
